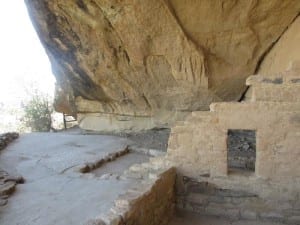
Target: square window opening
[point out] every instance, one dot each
(241, 155)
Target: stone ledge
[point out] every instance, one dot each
(151, 202)
(7, 138)
(88, 167)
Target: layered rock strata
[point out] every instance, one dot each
(139, 64)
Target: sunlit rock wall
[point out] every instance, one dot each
(139, 64)
(284, 53)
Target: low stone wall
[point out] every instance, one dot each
(88, 167)
(198, 149)
(7, 182)
(207, 198)
(6, 138)
(152, 202)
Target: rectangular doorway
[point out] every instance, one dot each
(241, 146)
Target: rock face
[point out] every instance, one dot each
(285, 52)
(154, 60)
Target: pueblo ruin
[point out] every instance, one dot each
(223, 75)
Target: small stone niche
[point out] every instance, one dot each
(241, 145)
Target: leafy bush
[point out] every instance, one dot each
(37, 113)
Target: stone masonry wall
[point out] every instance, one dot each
(198, 149)
(150, 203)
(276, 88)
(7, 183)
(7, 138)
(199, 146)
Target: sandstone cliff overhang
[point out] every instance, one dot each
(138, 58)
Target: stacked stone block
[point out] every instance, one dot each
(198, 149)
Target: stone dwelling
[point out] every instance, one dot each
(198, 147)
(209, 180)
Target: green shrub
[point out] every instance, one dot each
(37, 113)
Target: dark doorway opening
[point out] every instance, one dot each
(241, 145)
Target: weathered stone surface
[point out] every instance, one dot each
(149, 58)
(88, 167)
(285, 52)
(7, 188)
(48, 162)
(6, 138)
(152, 202)
(7, 183)
(198, 148)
